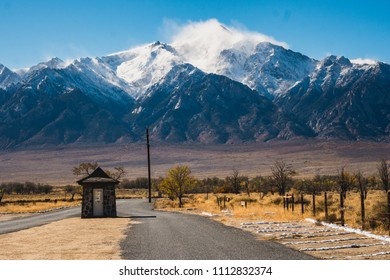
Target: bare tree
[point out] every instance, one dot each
(282, 175)
(209, 185)
(85, 168)
(73, 190)
(118, 173)
(234, 181)
(383, 172)
(2, 192)
(244, 183)
(5, 189)
(345, 182)
(361, 184)
(262, 185)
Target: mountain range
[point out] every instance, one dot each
(240, 89)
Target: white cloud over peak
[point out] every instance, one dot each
(200, 43)
(364, 61)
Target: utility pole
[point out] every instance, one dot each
(149, 179)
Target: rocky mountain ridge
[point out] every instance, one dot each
(256, 91)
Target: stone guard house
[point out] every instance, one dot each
(98, 195)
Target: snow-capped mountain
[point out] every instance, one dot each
(211, 83)
(60, 106)
(341, 99)
(269, 69)
(143, 66)
(190, 105)
(248, 58)
(7, 77)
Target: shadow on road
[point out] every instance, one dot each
(137, 217)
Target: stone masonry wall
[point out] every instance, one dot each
(109, 202)
(87, 203)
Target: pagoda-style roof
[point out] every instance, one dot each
(98, 176)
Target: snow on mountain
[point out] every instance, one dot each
(254, 59)
(258, 61)
(100, 74)
(143, 66)
(205, 45)
(191, 105)
(201, 43)
(176, 78)
(338, 72)
(270, 69)
(208, 84)
(53, 63)
(341, 99)
(7, 77)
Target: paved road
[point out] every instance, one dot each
(49, 217)
(167, 235)
(176, 236)
(38, 220)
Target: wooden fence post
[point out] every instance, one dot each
(284, 203)
(292, 202)
(302, 206)
(363, 210)
(342, 208)
(326, 205)
(314, 204)
(287, 201)
(388, 209)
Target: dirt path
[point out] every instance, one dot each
(69, 239)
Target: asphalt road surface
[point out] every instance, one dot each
(52, 216)
(158, 235)
(38, 219)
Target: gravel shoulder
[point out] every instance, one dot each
(68, 239)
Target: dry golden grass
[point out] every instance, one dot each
(132, 193)
(58, 195)
(353, 209)
(69, 239)
(270, 207)
(32, 207)
(30, 203)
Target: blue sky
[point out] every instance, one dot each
(33, 31)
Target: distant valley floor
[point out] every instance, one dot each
(53, 164)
